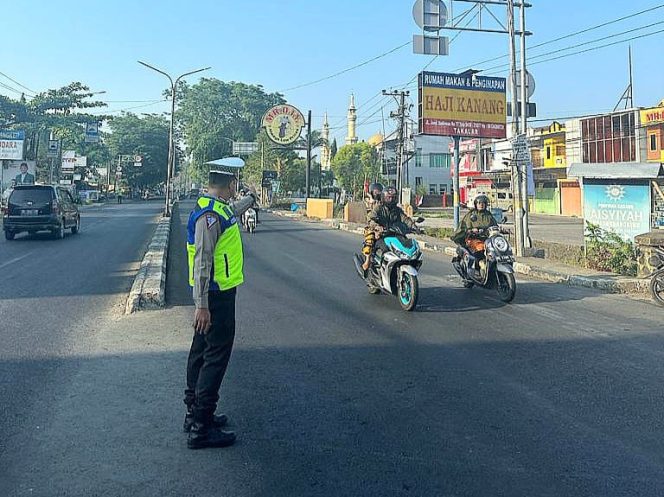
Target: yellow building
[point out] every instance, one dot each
(554, 153)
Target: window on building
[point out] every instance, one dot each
(443, 189)
(418, 181)
(609, 139)
(439, 160)
(432, 189)
(418, 157)
(653, 142)
(548, 153)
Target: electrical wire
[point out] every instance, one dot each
(569, 35)
(594, 48)
(134, 107)
(348, 69)
(17, 83)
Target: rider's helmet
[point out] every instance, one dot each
(390, 196)
(481, 199)
(376, 190)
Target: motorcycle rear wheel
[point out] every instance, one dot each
(409, 291)
(506, 286)
(657, 288)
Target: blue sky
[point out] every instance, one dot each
(282, 44)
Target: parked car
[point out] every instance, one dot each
(34, 208)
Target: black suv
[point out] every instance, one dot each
(35, 208)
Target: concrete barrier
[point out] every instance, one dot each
(355, 212)
(149, 288)
(322, 208)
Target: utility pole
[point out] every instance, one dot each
(401, 116)
(516, 180)
(308, 174)
(524, 126)
(457, 181)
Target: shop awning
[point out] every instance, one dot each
(619, 170)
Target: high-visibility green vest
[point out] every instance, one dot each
(228, 257)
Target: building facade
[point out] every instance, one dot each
(653, 121)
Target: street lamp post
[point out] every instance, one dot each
(170, 167)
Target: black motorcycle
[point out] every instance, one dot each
(657, 276)
(490, 267)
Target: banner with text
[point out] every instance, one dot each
(11, 144)
(460, 105)
(623, 209)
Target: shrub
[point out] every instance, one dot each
(607, 251)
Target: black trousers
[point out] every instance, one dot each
(209, 356)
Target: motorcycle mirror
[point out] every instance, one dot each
(419, 220)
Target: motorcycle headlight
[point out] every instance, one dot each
(501, 244)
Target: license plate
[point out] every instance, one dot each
(29, 212)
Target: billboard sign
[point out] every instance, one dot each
(53, 149)
(623, 209)
(244, 148)
(462, 105)
(652, 116)
(11, 144)
(18, 172)
(70, 161)
(92, 132)
(283, 124)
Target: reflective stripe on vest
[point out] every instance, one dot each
(228, 257)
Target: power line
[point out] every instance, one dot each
(571, 47)
(570, 35)
(135, 107)
(595, 48)
(16, 82)
(11, 88)
(348, 69)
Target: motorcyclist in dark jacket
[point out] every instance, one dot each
(387, 214)
(375, 196)
(473, 223)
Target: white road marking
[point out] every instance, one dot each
(15, 259)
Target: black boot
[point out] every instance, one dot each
(203, 435)
(218, 421)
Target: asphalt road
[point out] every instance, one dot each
(336, 392)
(559, 393)
(53, 295)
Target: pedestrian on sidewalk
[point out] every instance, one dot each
(214, 247)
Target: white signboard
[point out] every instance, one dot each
(11, 144)
(71, 161)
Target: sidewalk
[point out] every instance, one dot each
(541, 269)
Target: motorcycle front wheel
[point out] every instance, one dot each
(409, 291)
(657, 288)
(506, 286)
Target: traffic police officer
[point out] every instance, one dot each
(214, 247)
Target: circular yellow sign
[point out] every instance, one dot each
(283, 124)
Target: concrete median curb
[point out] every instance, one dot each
(149, 288)
(608, 284)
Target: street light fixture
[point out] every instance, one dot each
(170, 167)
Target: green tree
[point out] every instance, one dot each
(333, 149)
(354, 164)
(146, 136)
(62, 111)
(212, 113)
